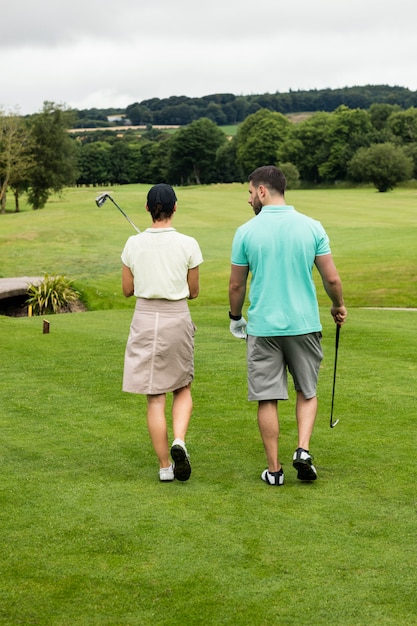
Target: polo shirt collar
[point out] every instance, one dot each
(270, 208)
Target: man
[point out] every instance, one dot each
(279, 247)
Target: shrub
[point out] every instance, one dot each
(292, 175)
(53, 295)
(384, 164)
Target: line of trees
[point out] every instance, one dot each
(38, 156)
(228, 109)
(351, 145)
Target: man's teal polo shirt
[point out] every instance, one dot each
(279, 245)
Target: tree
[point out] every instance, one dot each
(226, 163)
(215, 112)
(349, 130)
(403, 124)
(54, 153)
(178, 114)
(259, 138)
(193, 152)
(138, 114)
(292, 175)
(411, 151)
(120, 163)
(157, 166)
(94, 163)
(15, 156)
(380, 113)
(307, 146)
(134, 159)
(383, 164)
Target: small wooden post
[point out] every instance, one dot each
(30, 310)
(45, 327)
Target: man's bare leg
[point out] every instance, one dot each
(269, 428)
(306, 411)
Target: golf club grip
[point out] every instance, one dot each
(337, 337)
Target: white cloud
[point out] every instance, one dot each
(111, 54)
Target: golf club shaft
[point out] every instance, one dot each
(101, 199)
(333, 424)
(124, 214)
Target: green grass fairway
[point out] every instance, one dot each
(372, 237)
(89, 537)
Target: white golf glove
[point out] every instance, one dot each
(238, 328)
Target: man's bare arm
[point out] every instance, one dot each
(237, 288)
(333, 286)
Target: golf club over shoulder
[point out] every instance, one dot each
(101, 199)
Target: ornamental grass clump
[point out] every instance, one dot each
(54, 294)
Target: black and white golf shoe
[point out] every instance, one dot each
(182, 466)
(273, 478)
(303, 463)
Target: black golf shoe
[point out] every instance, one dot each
(303, 463)
(182, 467)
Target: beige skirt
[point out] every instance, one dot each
(159, 355)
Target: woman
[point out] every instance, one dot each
(161, 268)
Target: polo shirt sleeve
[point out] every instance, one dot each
(195, 254)
(239, 256)
(125, 256)
(322, 242)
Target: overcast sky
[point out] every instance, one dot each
(87, 54)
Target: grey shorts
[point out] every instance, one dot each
(269, 358)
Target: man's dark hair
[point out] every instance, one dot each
(270, 176)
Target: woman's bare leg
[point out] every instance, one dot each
(157, 427)
(182, 407)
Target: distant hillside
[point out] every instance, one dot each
(229, 109)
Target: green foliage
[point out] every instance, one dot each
(227, 108)
(403, 125)
(385, 165)
(411, 151)
(138, 114)
(51, 295)
(94, 162)
(379, 114)
(120, 163)
(259, 138)
(349, 130)
(193, 152)
(306, 146)
(16, 159)
(45, 158)
(319, 146)
(292, 175)
(54, 154)
(226, 163)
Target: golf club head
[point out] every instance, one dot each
(333, 424)
(101, 198)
